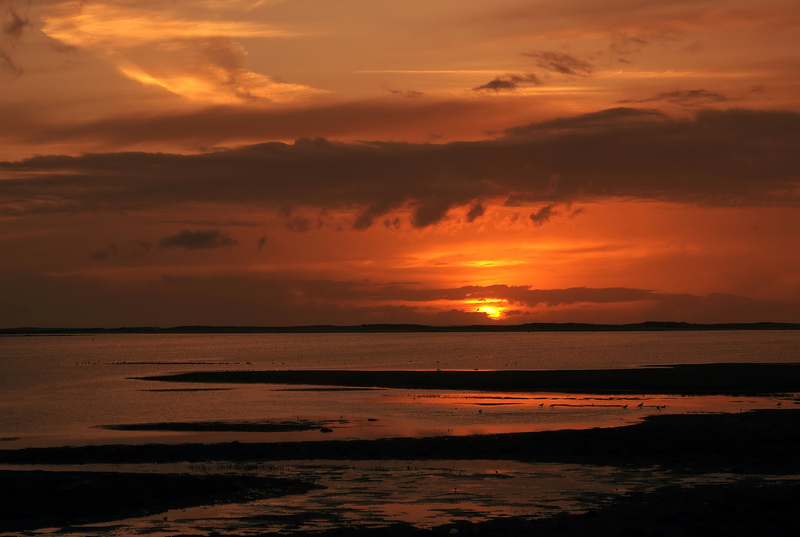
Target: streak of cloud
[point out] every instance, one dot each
(231, 124)
(543, 215)
(196, 58)
(718, 158)
(508, 82)
(299, 224)
(475, 212)
(102, 255)
(29, 300)
(558, 62)
(198, 240)
(698, 97)
(12, 27)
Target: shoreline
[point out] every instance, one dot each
(754, 442)
(758, 448)
(756, 451)
(683, 379)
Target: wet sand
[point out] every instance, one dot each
(270, 426)
(691, 379)
(751, 444)
(41, 499)
(759, 448)
(762, 441)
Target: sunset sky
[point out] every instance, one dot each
(447, 162)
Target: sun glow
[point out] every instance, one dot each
(493, 312)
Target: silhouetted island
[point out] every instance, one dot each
(649, 326)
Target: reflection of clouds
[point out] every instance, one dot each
(193, 58)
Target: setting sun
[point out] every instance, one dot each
(492, 312)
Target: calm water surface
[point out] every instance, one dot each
(57, 390)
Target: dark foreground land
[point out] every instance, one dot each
(753, 445)
(749, 508)
(40, 499)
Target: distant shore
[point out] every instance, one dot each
(653, 326)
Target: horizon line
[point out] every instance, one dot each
(662, 326)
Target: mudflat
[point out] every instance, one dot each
(40, 499)
(761, 441)
(683, 379)
(757, 450)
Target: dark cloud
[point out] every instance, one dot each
(520, 295)
(509, 82)
(31, 299)
(12, 25)
(544, 214)
(392, 223)
(623, 44)
(475, 212)
(299, 223)
(698, 97)
(603, 119)
(102, 255)
(227, 125)
(577, 212)
(197, 240)
(125, 250)
(561, 63)
(405, 93)
(717, 158)
(375, 210)
(136, 249)
(261, 242)
(430, 212)
(7, 63)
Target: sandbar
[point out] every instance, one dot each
(683, 379)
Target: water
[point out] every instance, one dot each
(58, 390)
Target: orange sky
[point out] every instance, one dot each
(288, 162)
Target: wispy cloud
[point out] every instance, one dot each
(559, 62)
(126, 24)
(198, 240)
(509, 82)
(697, 97)
(12, 27)
(543, 215)
(198, 58)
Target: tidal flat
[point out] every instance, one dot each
(718, 473)
(730, 473)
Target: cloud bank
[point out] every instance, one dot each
(42, 300)
(717, 158)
